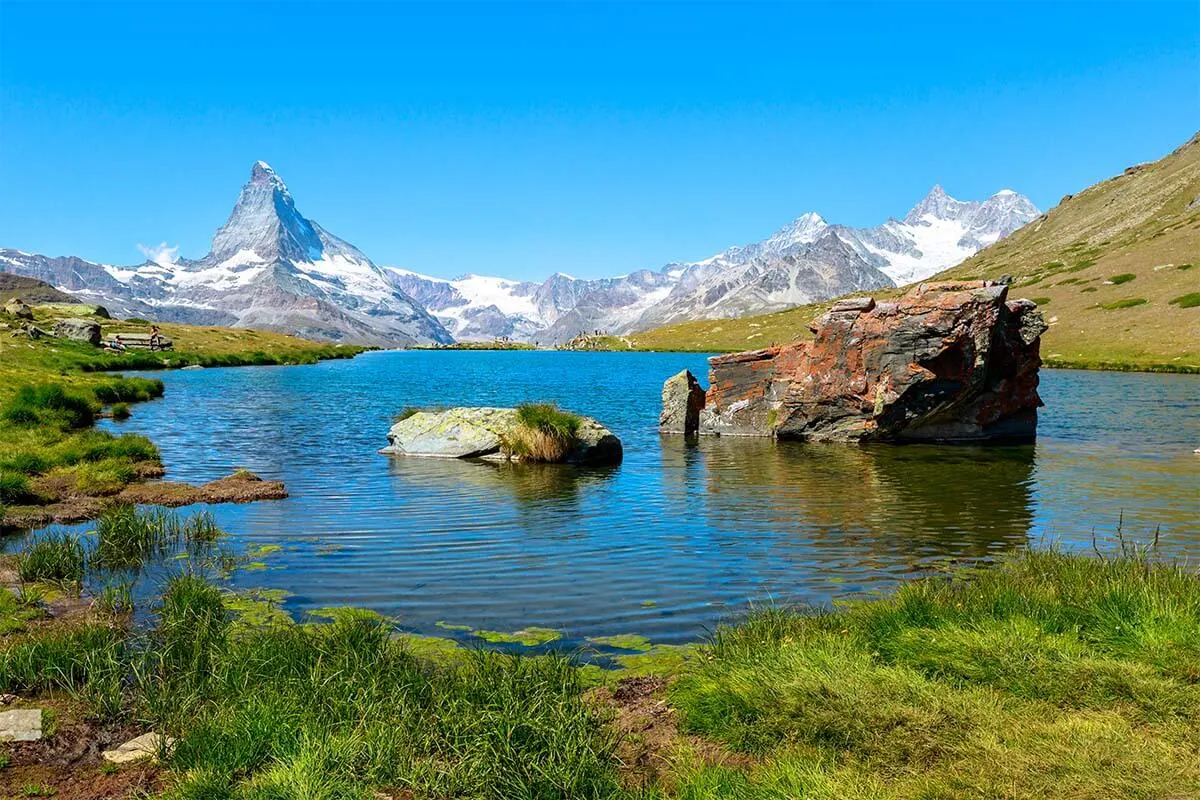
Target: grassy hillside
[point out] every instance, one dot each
(1113, 267)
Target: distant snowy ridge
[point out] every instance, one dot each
(805, 261)
(271, 267)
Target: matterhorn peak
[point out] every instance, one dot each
(265, 221)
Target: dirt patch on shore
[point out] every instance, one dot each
(68, 761)
(240, 487)
(650, 739)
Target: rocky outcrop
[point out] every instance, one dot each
(948, 362)
(682, 401)
(483, 432)
(81, 330)
(17, 308)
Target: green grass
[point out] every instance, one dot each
(49, 404)
(1189, 300)
(549, 418)
(53, 558)
(342, 709)
(544, 433)
(1124, 277)
(121, 411)
(128, 537)
(1128, 302)
(1045, 675)
(1041, 301)
(1048, 675)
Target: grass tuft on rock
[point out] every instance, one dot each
(544, 433)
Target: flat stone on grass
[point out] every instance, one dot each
(144, 746)
(21, 725)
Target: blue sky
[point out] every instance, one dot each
(591, 139)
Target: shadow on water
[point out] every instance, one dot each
(536, 488)
(887, 503)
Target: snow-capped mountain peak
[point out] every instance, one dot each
(265, 221)
(803, 230)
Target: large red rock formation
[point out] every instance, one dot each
(946, 362)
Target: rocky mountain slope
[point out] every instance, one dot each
(269, 268)
(31, 290)
(808, 259)
(1114, 268)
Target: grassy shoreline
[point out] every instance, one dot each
(1045, 675)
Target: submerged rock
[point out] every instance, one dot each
(950, 362)
(481, 433)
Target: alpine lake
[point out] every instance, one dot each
(682, 535)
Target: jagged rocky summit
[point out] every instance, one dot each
(466, 432)
(269, 268)
(947, 362)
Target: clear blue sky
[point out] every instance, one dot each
(592, 139)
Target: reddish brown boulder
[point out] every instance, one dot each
(951, 361)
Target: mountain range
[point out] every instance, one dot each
(270, 267)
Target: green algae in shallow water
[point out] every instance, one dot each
(661, 659)
(345, 614)
(262, 550)
(254, 566)
(435, 648)
(450, 626)
(648, 604)
(623, 641)
(529, 637)
(258, 608)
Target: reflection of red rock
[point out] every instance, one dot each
(946, 362)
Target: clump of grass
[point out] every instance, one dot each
(405, 413)
(115, 600)
(1082, 265)
(1087, 289)
(1189, 300)
(1184, 267)
(14, 489)
(25, 462)
(120, 411)
(49, 404)
(543, 433)
(127, 537)
(87, 660)
(53, 558)
(201, 528)
(1124, 277)
(1041, 301)
(1128, 302)
(128, 390)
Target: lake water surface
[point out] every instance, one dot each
(677, 537)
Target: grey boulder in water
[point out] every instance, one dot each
(466, 432)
